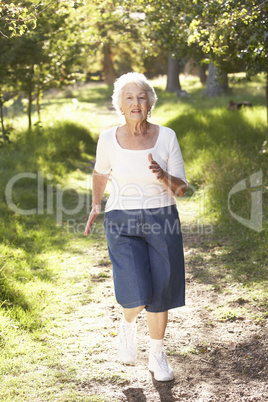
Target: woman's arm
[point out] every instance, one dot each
(99, 182)
(174, 184)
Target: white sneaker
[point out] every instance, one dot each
(159, 366)
(127, 348)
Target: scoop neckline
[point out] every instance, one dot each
(137, 150)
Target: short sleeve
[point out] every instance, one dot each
(103, 164)
(175, 164)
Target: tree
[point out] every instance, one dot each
(114, 32)
(166, 27)
(233, 34)
(217, 81)
(163, 34)
(35, 63)
(4, 77)
(15, 20)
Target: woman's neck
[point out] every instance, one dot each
(137, 128)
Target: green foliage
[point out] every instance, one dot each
(20, 17)
(32, 63)
(162, 30)
(16, 19)
(116, 37)
(233, 33)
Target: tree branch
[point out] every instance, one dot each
(35, 16)
(1, 33)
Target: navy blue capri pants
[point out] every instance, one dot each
(146, 251)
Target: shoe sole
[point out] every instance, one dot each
(165, 379)
(162, 379)
(128, 362)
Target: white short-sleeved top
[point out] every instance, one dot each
(133, 184)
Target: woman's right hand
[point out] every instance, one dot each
(96, 210)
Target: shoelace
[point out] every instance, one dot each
(162, 361)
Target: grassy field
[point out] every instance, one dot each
(45, 198)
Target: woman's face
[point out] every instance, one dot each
(134, 103)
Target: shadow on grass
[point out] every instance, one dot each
(199, 130)
(26, 243)
(30, 231)
(228, 258)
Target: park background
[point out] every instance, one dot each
(58, 316)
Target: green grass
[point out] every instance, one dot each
(38, 283)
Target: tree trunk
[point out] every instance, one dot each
(173, 79)
(2, 122)
(202, 73)
(29, 111)
(217, 81)
(5, 138)
(30, 87)
(38, 109)
(108, 67)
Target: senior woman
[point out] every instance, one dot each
(145, 165)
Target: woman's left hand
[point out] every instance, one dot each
(156, 168)
(174, 184)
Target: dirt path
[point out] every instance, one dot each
(213, 360)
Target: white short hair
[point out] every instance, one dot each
(133, 78)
